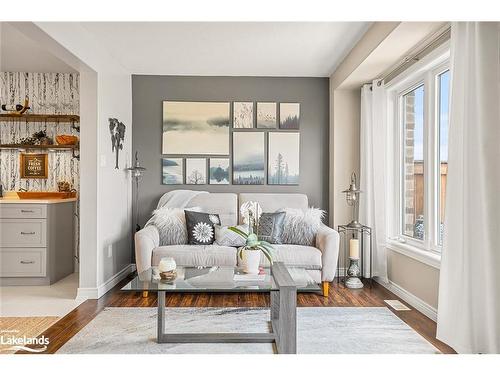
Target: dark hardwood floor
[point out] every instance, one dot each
(340, 296)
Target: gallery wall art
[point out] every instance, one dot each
(283, 158)
(289, 115)
(204, 129)
(266, 115)
(248, 158)
(196, 171)
(197, 128)
(242, 115)
(219, 171)
(172, 171)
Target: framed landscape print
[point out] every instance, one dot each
(34, 166)
(283, 158)
(266, 115)
(219, 171)
(289, 115)
(196, 171)
(243, 115)
(248, 158)
(197, 128)
(172, 171)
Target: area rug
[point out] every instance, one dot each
(320, 330)
(13, 327)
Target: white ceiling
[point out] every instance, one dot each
(302, 49)
(18, 53)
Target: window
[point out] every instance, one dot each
(420, 101)
(413, 163)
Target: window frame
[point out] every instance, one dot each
(426, 72)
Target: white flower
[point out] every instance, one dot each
(203, 232)
(214, 219)
(250, 207)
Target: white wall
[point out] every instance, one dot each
(410, 279)
(106, 91)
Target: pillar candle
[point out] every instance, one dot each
(354, 248)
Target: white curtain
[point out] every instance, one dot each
(469, 287)
(373, 138)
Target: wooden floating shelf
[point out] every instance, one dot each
(40, 147)
(39, 118)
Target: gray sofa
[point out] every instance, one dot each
(319, 261)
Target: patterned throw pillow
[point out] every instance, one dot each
(226, 237)
(271, 227)
(201, 227)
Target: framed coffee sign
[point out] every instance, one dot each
(34, 166)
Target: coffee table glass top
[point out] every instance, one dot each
(216, 279)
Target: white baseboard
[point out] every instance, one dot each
(410, 298)
(96, 293)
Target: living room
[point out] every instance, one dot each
(292, 185)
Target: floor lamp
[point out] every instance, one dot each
(137, 172)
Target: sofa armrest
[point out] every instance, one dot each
(145, 241)
(327, 241)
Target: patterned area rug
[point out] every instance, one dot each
(22, 327)
(321, 330)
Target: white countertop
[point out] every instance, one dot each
(35, 201)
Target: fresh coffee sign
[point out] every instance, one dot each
(34, 166)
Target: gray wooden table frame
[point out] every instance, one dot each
(283, 319)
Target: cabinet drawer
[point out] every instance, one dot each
(23, 211)
(22, 232)
(18, 262)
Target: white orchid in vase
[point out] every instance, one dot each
(250, 253)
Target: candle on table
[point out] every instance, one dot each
(354, 248)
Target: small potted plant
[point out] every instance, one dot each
(250, 252)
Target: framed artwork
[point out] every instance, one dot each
(34, 165)
(248, 158)
(197, 128)
(172, 171)
(219, 171)
(266, 115)
(196, 171)
(289, 115)
(283, 158)
(243, 115)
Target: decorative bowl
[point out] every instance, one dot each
(168, 276)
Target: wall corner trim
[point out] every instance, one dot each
(411, 299)
(96, 293)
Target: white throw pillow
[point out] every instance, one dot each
(171, 224)
(226, 237)
(301, 226)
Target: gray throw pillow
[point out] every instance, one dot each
(271, 227)
(226, 237)
(201, 227)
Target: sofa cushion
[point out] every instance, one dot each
(271, 227)
(272, 202)
(295, 256)
(223, 204)
(196, 255)
(201, 227)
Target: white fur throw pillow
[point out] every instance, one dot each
(171, 224)
(301, 226)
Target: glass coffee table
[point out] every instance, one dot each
(280, 281)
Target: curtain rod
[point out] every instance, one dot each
(411, 59)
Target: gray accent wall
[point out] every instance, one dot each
(148, 93)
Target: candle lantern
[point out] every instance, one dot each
(355, 243)
(352, 198)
